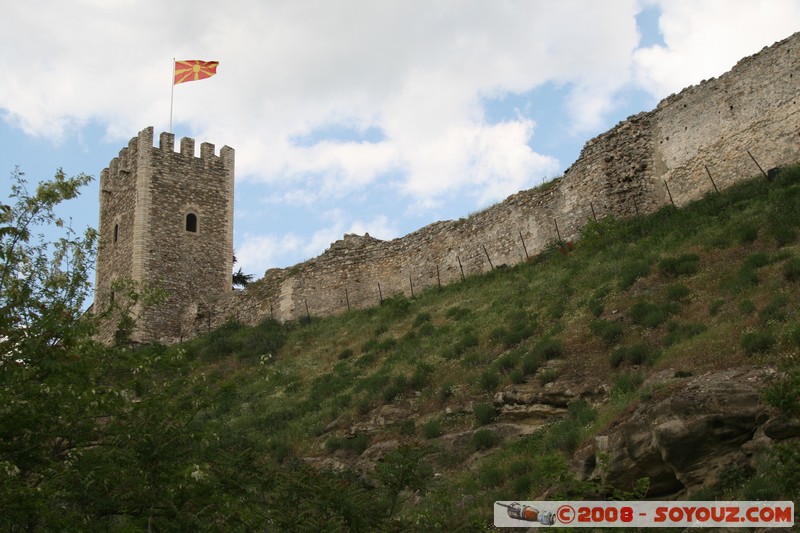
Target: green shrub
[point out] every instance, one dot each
(489, 380)
(745, 233)
(649, 314)
(547, 376)
(548, 348)
(777, 476)
(407, 427)
(506, 362)
(467, 340)
(363, 406)
(397, 306)
(347, 353)
(791, 269)
(432, 429)
(517, 334)
(369, 346)
(426, 330)
(343, 400)
(582, 412)
(421, 319)
(683, 265)
(745, 277)
(519, 467)
(268, 336)
(626, 383)
(757, 341)
(497, 334)
(420, 377)
(782, 219)
(484, 413)
(397, 387)
(595, 307)
(775, 310)
(610, 332)
(530, 364)
(680, 333)
(556, 310)
(746, 307)
(595, 303)
(756, 260)
(279, 450)
(715, 306)
(564, 437)
(372, 384)
(334, 443)
(636, 354)
(784, 393)
(386, 344)
(357, 443)
(457, 313)
(793, 335)
(483, 439)
(490, 476)
(678, 292)
(632, 270)
(617, 357)
(517, 376)
(380, 330)
(446, 390)
(782, 233)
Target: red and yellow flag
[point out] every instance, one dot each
(193, 70)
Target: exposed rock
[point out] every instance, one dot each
(373, 455)
(327, 463)
(461, 441)
(685, 439)
(780, 427)
(538, 404)
(380, 417)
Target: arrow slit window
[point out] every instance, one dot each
(191, 223)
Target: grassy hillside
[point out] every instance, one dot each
(383, 419)
(713, 285)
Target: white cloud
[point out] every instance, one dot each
(259, 252)
(415, 71)
(724, 30)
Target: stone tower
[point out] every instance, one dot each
(166, 222)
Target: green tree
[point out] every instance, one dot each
(46, 399)
(403, 469)
(124, 437)
(43, 285)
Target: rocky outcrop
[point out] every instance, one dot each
(531, 403)
(689, 434)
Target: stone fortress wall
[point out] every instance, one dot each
(705, 132)
(166, 221)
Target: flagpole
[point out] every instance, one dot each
(171, 94)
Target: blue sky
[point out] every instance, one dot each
(355, 116)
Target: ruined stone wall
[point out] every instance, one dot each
(633, 168)
(147, 194)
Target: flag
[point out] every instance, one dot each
(193, 70)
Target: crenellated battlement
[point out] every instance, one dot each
(143, 142)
